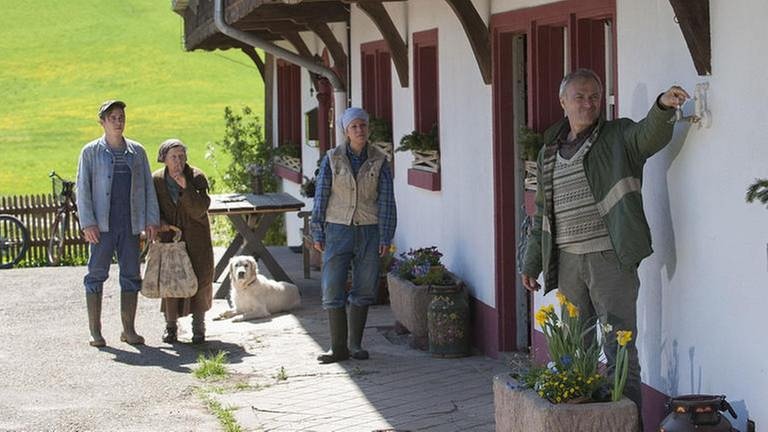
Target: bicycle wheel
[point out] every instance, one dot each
(14, 241)
(58, 235)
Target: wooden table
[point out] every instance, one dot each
(251, 215)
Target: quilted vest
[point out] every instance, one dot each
(354, 200)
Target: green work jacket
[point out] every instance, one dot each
(613, 166)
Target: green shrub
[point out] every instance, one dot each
(244, 143)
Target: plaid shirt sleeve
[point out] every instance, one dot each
(387, 207)
(322, 192)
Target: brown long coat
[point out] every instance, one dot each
(191, 215)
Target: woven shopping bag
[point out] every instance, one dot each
(168, 271)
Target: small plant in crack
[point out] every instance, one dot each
(213, 366)
(282, 375)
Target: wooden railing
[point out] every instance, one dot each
(38, 213)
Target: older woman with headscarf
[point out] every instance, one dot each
(353, 222)
(182, 193)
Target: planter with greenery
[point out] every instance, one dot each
(381, 136)
(573, 391)
(288, 155)
(409, 282)
(425, 148)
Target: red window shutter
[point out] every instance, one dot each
(550, 50)
(426, 88)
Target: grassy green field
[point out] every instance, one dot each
(60, 59)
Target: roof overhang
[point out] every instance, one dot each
(270, 20)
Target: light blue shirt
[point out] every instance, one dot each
(94, 185)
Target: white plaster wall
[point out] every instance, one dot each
(701, 304)
(700, 299)
(459, 218)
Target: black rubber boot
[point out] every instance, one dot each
(337, 318)
(170, 333)
(128, 302)
(93, 303)
(198, 328)
(358, 315)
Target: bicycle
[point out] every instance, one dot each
(64, 193)
(14, 241)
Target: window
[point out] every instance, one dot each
(426, 99)
(289, 118)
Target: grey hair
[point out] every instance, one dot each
(580, 74)
(167, 145)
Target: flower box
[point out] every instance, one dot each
(288, 167)
(385, 147)
(290, 162)
(409, 303)
(426, 160)
(521, 409)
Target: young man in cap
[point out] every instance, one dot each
(116, 201)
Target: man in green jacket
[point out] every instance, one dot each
(590, 232)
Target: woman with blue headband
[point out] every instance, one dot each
(353, 222)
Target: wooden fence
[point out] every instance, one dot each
(38, 213)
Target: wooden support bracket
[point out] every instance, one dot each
(693, 18)
(397, 46)
(251, 52)
(334, 47)
(295, 39)
(477, 33)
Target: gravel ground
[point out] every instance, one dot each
(52, 380)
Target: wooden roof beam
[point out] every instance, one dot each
(477, 33)
(693, 17)
(334, 47)
(397, 46)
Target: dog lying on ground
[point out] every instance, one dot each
(253, 295)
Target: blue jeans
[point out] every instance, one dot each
(126, 245)
(347, 245)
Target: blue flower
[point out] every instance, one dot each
(566, 360)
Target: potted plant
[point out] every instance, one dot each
(425, 148)
(381, 136)
(573, 386)
(412, 277)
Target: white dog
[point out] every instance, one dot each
(253, 295)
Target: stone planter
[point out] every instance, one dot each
(521, 409)
(409, 305)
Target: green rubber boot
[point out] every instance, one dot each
(337, 318)
(128, 302)
(358, 315)
(93, 303)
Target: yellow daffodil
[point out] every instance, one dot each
(549, 308)
(561, 298)
(623, 337)
(573, 311)
(541, 317)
